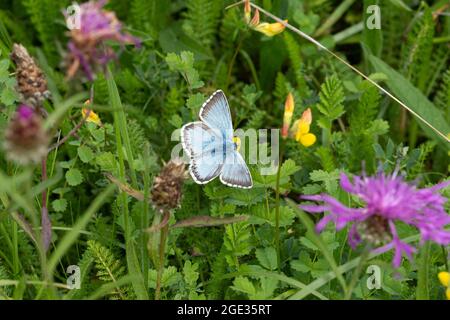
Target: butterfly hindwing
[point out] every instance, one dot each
(203, 145)
(235, 172)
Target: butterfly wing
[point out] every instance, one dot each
(215, 112)
(235, 172)
(203, 146)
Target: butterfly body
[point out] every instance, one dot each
(212, 148)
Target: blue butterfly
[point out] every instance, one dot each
(212, 148)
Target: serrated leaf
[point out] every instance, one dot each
(106, 161)
(267, 257)
(190, 273)
(85, 153)
(59, 205)
(184, 63)
(176, 121)
(74, 177)
(378, 127)
(170, 277)
(8, 96)
(287, 169)
(195, 102)
(244, 285)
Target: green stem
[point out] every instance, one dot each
(356, 274)
(121, 132)
(334, 17)
(445, 254)
(277, 207)
(422, 290)
(144, 222)
(121, 125)
(162, 249)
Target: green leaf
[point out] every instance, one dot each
(318, 241)
(330, 179)
(415, 99)
(106, 161)
(74, 177)
(378, 127)
(8, 96)
(190, 273)
(184, 64)
(401, 4)
(243, 284)
(85, 153)
(288, 168)
(331, 99)
(267, 257)
(195, 102)
(176, 121)
(170, 277)
(59, 205)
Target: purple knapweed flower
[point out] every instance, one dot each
(387, 199)
(87, 47)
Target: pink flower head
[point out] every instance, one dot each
(25, 112)
(87, 47)
(388, 199)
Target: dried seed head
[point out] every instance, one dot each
(31, 82)
(167, 186)
(25, 139)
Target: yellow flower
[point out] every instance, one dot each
(270, 29)
(288, 112)
(444, 278)
(92, 117)
(301, 129)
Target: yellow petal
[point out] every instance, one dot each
(93, 117)
(300, 128)
(444, 278)
(448, 293)
(270, 29)
(308, 140)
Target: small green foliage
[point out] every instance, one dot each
(74, 177)
(184, 64)
(220, 242)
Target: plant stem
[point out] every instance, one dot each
(277, 207)
(422, 290)
(355, 276)
(334, 17)
(233, 59)
(144, 221)
(445, 254)
(162, 249)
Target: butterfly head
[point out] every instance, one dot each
(237, 143)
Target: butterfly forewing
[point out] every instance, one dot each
(215, 112)
(204, 146)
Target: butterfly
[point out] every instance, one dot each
(212, 147)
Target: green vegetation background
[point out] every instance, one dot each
(190, 49)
